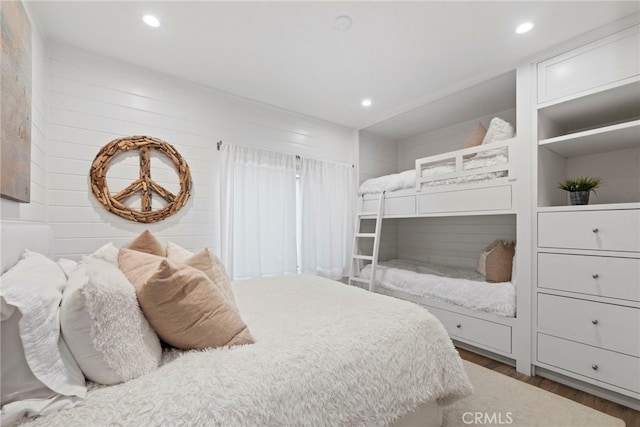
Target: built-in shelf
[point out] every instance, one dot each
(616, 105)
(600, 140)
(594, 207)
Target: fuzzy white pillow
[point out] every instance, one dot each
(108, 253)
(103, 325)
(499, 130)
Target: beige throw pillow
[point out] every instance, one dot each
(188, 311)
(500, 262)
(476, 137)
(482, 262)
(206, 262)
(147, 242)
(138, 266)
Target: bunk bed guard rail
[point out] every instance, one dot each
(461, 160)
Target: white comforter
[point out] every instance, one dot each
(407, 179)
(325, 354)
(463, 287)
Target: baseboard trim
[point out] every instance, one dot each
(486, 353)
(621, 399)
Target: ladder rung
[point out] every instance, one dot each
(358, 279)
(367, 213)
(366, 235)
(365, 257)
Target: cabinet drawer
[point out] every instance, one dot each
(609, 326)
(599, 63)
(474, 330)
(613, 230)
(602, 365)
(402, 205)
(478, 199)
(592, 275)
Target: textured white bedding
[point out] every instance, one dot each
(454, 285)
(407, 179)
(325, 354)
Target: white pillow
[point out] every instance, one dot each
(67, 265)
(39, 374)
(108, 253)
(103, 325)
(499, 130)
(178, 253)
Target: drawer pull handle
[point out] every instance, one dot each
(594, 321)
(595, 230)
(458, 326)
(594, 367)
(595, 275)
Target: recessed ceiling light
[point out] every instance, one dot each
(151, 21)
(366, 102)
(342, 23)
(524, 28)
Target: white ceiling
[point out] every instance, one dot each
(287, 54)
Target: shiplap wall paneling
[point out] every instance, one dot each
(93, 100)
(452, 240)
(35, 211)
(443, 140)
(378, 156)
(388, 239)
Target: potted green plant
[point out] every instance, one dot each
(580, 188)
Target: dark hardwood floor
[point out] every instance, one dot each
(628, 415)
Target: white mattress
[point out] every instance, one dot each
(407, 179)
(454, 285)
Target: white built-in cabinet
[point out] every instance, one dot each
(587, 258)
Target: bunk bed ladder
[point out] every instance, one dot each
(356, 257)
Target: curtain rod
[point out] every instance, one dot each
(219, 145)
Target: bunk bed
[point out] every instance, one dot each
(479, 180)
(476, 180)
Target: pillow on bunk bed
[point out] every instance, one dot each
(499, 130)
(496, 261)
(476, 137)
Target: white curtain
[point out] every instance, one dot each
(258, 212)
(326, 217)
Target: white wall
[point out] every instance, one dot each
(443, 140)
(378, 156)
(452, 240)
(94, 100)
(36, 210)
(619, 170)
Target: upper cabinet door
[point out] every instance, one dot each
(603, 62)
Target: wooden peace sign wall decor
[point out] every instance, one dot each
(144, 184)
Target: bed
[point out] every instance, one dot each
(474, 312)
(461, 286)
(473, 180)
(324, 354)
